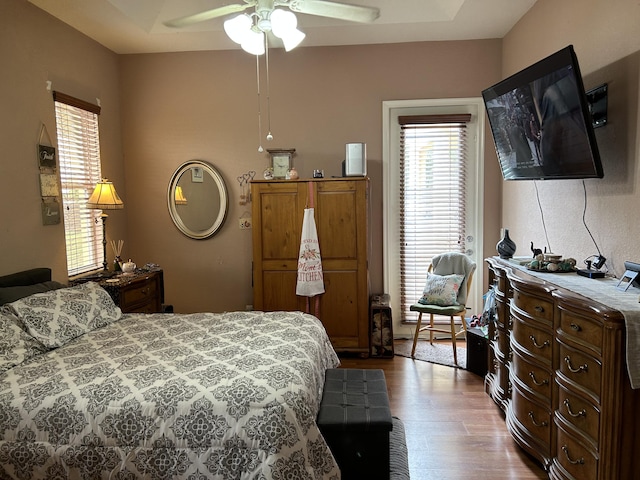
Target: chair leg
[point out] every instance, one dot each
(415, 336)
(431, 324)
(453, 340)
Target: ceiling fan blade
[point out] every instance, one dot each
(209, 14)
(341, 11)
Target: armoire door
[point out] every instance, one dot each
(340, 208)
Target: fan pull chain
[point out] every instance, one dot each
(266, 58)
(260, 149)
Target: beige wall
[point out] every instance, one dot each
(161, 110)
(34, 49)
(203, 105)
(606, 38)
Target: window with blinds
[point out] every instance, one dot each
(79, 154)
(433, 164)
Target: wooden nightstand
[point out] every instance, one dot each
(141, 292)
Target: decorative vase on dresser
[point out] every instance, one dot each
(568, 398)
(340, 208)
(506, 247)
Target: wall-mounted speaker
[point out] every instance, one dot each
(355, 164)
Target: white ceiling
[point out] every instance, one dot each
(136, 26)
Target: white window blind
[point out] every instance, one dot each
(79, 154)
(433, 150)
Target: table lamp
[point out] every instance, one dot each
(104, 197)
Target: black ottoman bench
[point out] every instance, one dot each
(355, 421)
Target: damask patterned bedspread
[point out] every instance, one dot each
(220, 396)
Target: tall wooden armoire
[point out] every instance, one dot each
(341, 211)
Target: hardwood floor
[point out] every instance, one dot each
(454, 430)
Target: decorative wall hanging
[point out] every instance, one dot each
(46, 152)
(244, 180)
(50, 211)
(46, 156)
(49, 187)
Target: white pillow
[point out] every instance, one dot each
(16, 345)
(58, 316)
(441, 290)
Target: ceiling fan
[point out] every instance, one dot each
(264, 8)
(249, 30)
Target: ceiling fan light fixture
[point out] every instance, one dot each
(238, 27)
(282, 20)
(292, 39)
(284, 26)
(253, 43)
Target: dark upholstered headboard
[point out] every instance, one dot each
(22, 284)
(27, 277)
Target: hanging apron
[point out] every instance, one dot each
(310, 279)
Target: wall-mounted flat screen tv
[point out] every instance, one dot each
(540, 121)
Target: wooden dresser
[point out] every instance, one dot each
(558, 369)
(341, 215)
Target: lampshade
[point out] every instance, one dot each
(292, 39)
(253, 43)
(237, 27)
(284, 26)
(179, 196)
(105, 197)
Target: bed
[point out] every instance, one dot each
(89, 392)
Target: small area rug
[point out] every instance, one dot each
(440, 353)
(398, 454)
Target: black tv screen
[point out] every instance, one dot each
(541, 124)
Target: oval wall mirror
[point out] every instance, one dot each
(197, 199)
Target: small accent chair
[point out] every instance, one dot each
(435, 302)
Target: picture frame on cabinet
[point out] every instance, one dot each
(281, 161)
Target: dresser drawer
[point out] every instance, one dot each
(503, 339)
(581, 329)
(576, 458)
(581, 368)
(536, 379)
(140, 292)
(580, 413)
(534, 418)
(534, 340)
(534, 306)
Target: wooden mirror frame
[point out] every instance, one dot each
(206, 169)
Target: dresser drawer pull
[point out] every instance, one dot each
(580, 461)
(544, 423)
(144, 291)
(536, 344)
(581, 413)
(575, 327)
(539, 309)
(572, 369)
(533, 378)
